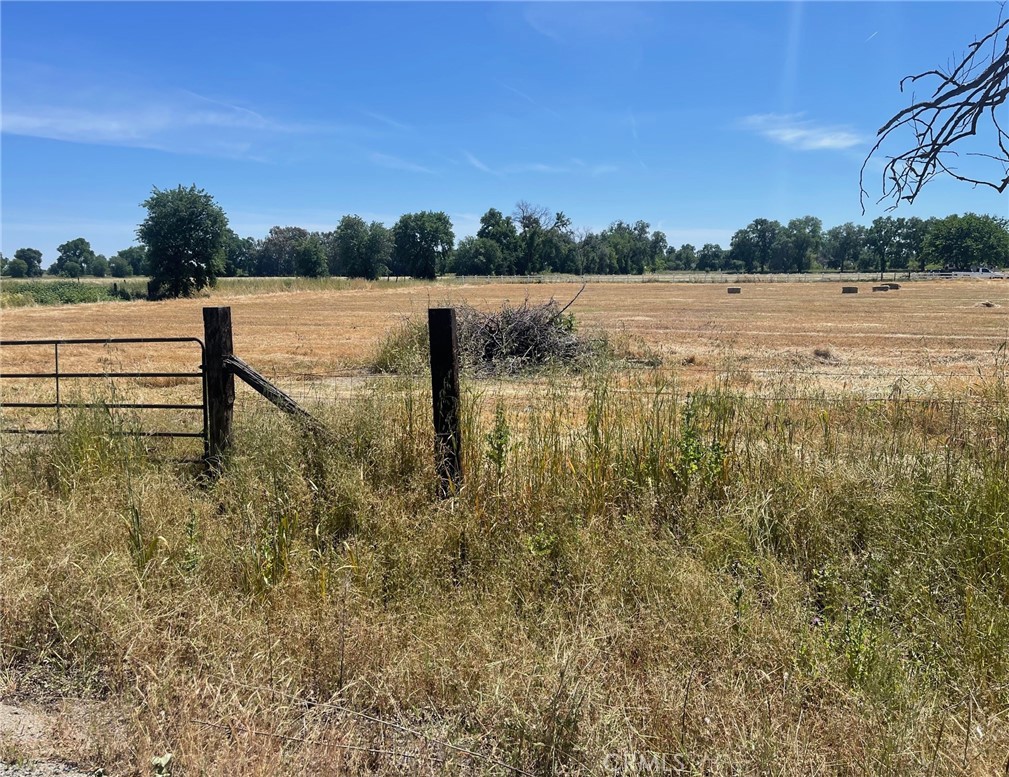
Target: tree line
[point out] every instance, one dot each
(528, 241)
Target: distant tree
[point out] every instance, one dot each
(349, 243)
(686, 258)
(136, 257)
(478, 256)
(184, 233)
(378, 251)
(970, 240)
(710, 257)
(914, 230)
(71, 270)
(557, 249)
(843, 245)
(119, 267)
(800, 241)
(659, 246)
(16, 268)
(755, 246)
(310, 258)
(642, 257)
(883, 240)
(532, 222)
(594, 255)
(422, 243)
(32, 258)
(500, 229)
(360, 250)
(275, 257)
(78, 251)
(98, 267)
(239, 254)
(631, 245)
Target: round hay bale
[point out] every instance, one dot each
(881, 288)
(735, 290)
(849, 289)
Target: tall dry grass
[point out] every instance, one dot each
(631, 579)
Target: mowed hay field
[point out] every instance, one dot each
(659, 566)
(940, 326)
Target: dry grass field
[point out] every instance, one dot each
(633, 579)
(933, 326)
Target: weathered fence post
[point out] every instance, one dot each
(445, 397)
(220, 384)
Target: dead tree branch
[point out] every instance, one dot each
(970, 92)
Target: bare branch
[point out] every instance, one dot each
(966, 95)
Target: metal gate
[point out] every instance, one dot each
(61, 377)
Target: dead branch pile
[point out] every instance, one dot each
(517, 339)
(509, 341)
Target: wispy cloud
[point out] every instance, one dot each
(794, 131)
(78, 109)
(536, 167)
(389, 122)
(632, 122)
(396, 163)
(478, 164)
(568, 23)
(529, 99)
(574, 166)
(465, 224)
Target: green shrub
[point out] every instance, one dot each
(19, 294)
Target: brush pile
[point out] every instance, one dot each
(509, 341)
(518, 339)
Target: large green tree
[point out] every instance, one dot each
(310, 258)
(378, 253)
(15, 268)
(349, 242)
(184, 233)
(500, 229)
(478, 256)
(710, 257)
(119, 267)
(843, 246)
(32, 258)
(76, 252)
(884, 239)
(799, 242)
(359, 249)
(545, 242)
(136, 257)
(239, 254)
(684, 259)
(98, 266)
(276, 255)
(970, 240)
(631, 245)
(754, 246)
(422, 244)
(594, 255)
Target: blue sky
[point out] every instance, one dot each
(696, 117)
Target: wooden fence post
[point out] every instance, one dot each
(445, 397)
(220, 384)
